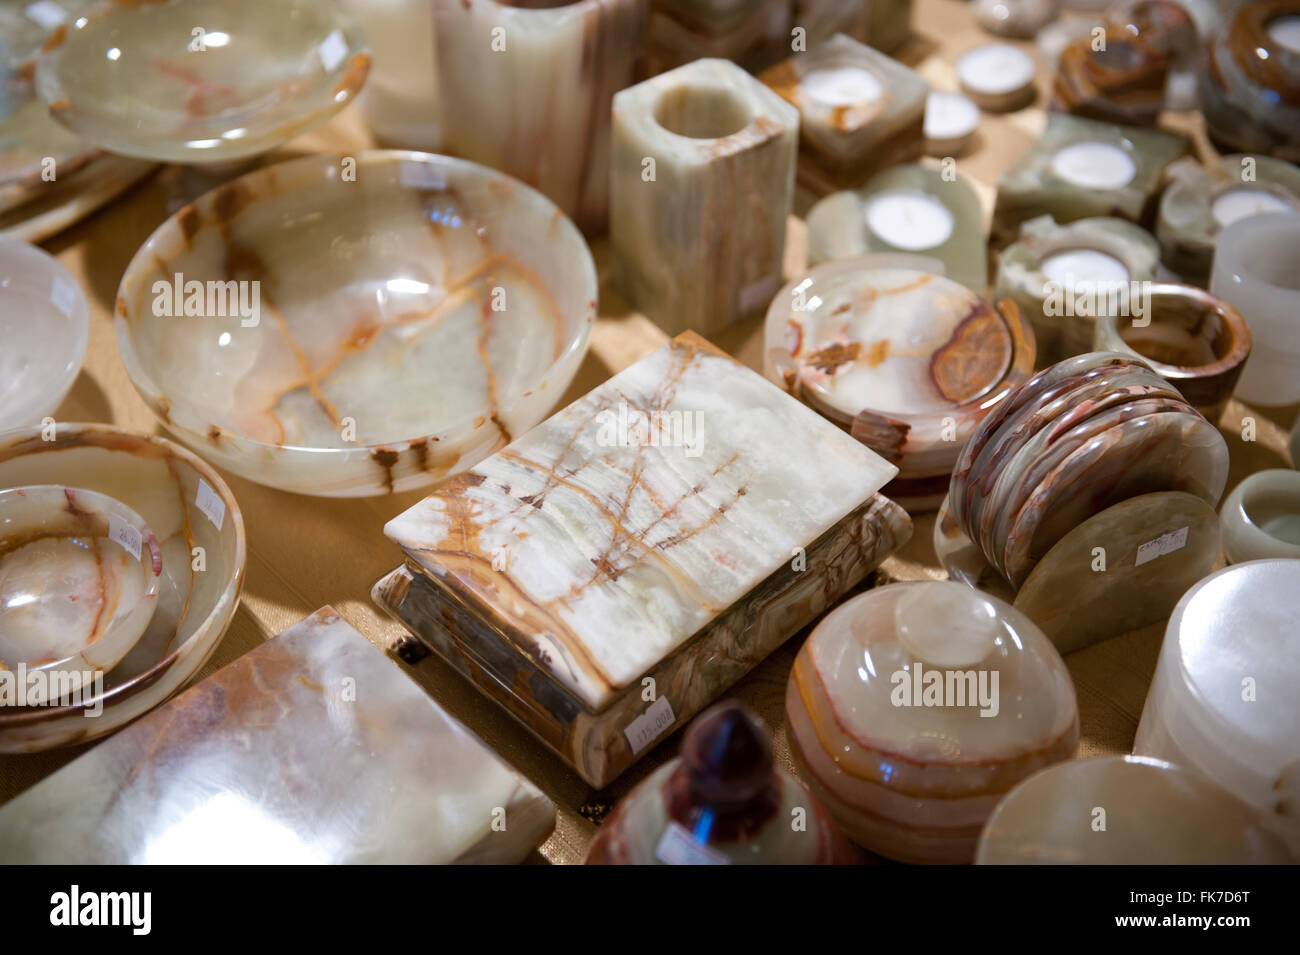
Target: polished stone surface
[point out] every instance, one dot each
(399, 316)
(1261, 517)
(912, 708)
(200, 534)
(312, 748)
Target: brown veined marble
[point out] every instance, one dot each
(1119, 80)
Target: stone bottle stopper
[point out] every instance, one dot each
(721, 802)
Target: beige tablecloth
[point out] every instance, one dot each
(306, 552)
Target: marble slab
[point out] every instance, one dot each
(679, 522)
(312, 748)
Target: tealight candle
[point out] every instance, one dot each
(1286, 31)
(841, 86)
(1094, 165)
(1242, 203)
(997, 75)
(909, 219)
(950, 119)
(1084, 268)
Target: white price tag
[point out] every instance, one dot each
(332, 50)
(210, 504)
(46, 14)
(677, 847)
(650, 725)
(124, 534)
(423, 175)
(63, 295)
(1162, 545)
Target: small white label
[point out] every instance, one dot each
(677, 847)
(63, 295)
(649, 726)
(124, 534)
(423, 175)
(332, 50)
(1164, 544)
(46, 14)
(211, 505)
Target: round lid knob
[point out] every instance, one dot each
(728, 757)
(947, 624)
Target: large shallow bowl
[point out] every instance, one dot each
(201, 80)
(200, 533)
(44, 328)
(375, 324)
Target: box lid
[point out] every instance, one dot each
(604, 538)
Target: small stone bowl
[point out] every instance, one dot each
(79, 579)
(1261, 517)
(1194, 340)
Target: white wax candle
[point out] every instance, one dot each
(908, 219)
(1095, 165)
(995, 68)
(841, 86)
(1244, 202)
(1285, 30)
(949, 116)
(1080, 269)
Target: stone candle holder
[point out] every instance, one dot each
(703, 180)
(1200, 201)
(1080, 168)
(1256, 262)
(1222, 702)
(1061, 277)
(503, 66)
(1193, 340)
(859, 112)
(909, 209)
(1168, 27)
(1123, 81)
(1250, 93)
(1261, 517)
(752, 33)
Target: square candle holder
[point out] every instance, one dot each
(1080, 168)
(703, 182)
(859, 112)
(752, 33)
(311, 748)
(506, 67)
(614, 570)
(910, 209)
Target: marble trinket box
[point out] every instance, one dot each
(1250, 90)
(909, 209)
(45, 326)
(1222, 701)
(913, 707)
(722, 802)
(753, 33)
(1115, 78)
(1261, 517)
(201, 81)
(200, 534)
(507, 67)
(906, 362)
(1080, 168)
(310, 748)
(1193, 340)
(703, 182)
(1201, 201)
(612, 571)
(1155, 813)
(1256, 261)
(348, 326)
(1062, 277)
(859, 112)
